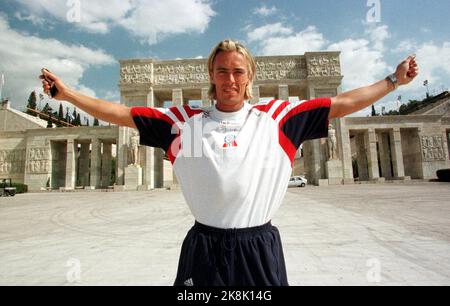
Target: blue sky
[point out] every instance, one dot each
(83, 40)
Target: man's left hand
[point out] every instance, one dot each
(407, 70)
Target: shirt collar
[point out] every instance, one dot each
(236, 115)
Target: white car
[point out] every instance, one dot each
(298, 181)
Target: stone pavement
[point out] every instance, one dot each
(338, 235)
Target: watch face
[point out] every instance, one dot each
(393, 79)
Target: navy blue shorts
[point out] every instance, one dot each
(232, 257)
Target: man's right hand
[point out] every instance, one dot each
(49, 79)
(103, 110)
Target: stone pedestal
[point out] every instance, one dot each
(333, 170)
(133, 177)
(403, 178)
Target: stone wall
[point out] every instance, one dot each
(412, 153)
(12, 156)
(14, 120)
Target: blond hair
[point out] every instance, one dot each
(232, 45)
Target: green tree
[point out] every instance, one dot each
(49, 121)
(44, 112)
(60, 112)
(67, 118)
(78, 120)
(45, 109)
(374, 112)
(32, 104)
(74, 114)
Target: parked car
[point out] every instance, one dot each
(6, 188)
(443, 175)
(297, 181)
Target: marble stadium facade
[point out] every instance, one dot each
(371, 149)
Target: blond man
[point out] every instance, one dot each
(234, 172)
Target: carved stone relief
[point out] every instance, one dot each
(268, 69)
(136, 74)
(324, 65)
(38, 160)
(170, 74)
(288, 69)
(12, 161)
(432, 148)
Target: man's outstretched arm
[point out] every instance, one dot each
(358, 99)
(100, 109)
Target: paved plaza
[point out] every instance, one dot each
(384, 234)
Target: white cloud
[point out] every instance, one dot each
(265, 11)
(434, 64)
(150, 20)
(35, 20)
(276, 39)
(22, 60)
(377, 36)
(363, 60)
(112, 95)
(268, 31)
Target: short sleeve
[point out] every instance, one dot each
(306, 120)
(155, 127)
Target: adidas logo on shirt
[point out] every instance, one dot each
(189, 282)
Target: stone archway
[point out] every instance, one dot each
(147, 82)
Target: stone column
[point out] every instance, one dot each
(174, 177)
(122, 155)
(255, 93)
(177, 97)
(159, 168)
(385, 157)
(148, 175)
(70, 164)
(313, 169)
(372, 156)
(95, 163)
(447, 134)
(313, 160)
(205, 99)
(83, 165)
(147, 153)
(361, 157)
(397, 154)
(345, 150)
(106, 164)
(283, 92)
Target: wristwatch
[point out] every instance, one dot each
(393, 78)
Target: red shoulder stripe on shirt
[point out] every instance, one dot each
(265, 107)
(287, 146)
(280, 109)
(174, 149)
(191, 112)
(177, 113)
(150, 112)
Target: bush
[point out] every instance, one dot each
(20, 188)
(443, 175)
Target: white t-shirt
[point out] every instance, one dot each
(233, 168)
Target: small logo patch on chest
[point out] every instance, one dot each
(230, 141)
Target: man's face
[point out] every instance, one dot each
(230, 75)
